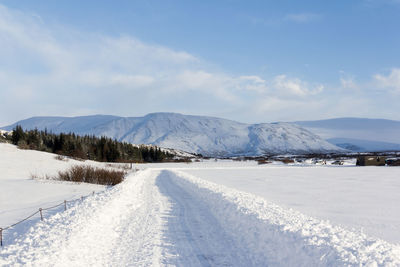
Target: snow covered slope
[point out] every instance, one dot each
(358, 134)
(20, 195)
(197, 134)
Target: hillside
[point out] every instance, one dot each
(196, 134)
(357, 134)
(21, 195)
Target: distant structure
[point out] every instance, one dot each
(371, 161)
(393, 161)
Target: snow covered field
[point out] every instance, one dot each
(363, 198)
(20, 195)
(218, 214)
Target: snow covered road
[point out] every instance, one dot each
(161, 217)
(193, 232)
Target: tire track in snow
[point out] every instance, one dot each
(195, 236)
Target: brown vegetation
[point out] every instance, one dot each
(287, 160)
(89, 174)
(61, 158)
(263, 161)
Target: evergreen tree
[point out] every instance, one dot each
(17, 135)
(87, 147)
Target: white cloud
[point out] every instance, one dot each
(348, 82)
(131, 81)
(201, 81)
(253, 83)
(253, 78)
(53, 70)
(58, 71)
(295, 86)
(390, 81)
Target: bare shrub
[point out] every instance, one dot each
(89, 174)
(78, 159)
(123, 166)
(61, 157)
(23, 145)
(184, 160)
(285, 160)
(263, 161)
(34, 176)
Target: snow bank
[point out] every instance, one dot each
(274, 236)
(117, 227)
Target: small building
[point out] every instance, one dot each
(371, 161)
(393, 161)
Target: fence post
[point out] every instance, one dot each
(65, 205)
(93, 193)
(1, 237)
(41, 215)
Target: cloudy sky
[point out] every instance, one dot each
(251, 61)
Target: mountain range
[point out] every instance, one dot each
(208, 136)
(358, 134)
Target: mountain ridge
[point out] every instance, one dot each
(206, 135)
(364, 134)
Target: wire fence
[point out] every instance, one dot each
(40, 211)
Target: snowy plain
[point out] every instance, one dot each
(360, 198)
(209, 214)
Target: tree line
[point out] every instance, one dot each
(86, 147)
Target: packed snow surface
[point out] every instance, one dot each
(208, 214)
(195, 134)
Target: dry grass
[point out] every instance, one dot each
(61, 157)
(89, 174)
(263, 161)
(285, 160)
(34, 176)
(122, 166)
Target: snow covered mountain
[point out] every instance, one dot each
(196, 134)
(357, 134)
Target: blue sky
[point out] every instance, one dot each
(252, 61)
